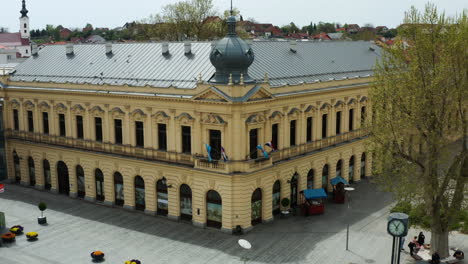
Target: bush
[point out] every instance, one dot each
(402, 207)
(285, 202)
(42, 206)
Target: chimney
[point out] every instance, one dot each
(188, 48)
(34, 49)
(108, 48)
(165, 48)
(69, 49)
(293, 46)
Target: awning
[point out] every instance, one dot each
(337, 180)
(314, 194)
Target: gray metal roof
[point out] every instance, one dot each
(142, 64)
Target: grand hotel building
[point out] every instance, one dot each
(126, 124)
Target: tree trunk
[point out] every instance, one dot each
(439, 242)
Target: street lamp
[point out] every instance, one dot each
(348, 190)
(245, 245)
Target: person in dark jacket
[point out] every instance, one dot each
(421, 239)
(412, 245)
(435, 258)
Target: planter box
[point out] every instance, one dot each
(42, 220)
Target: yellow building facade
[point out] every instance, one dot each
(126, 143)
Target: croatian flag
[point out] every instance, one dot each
(270, 145)
(223, 153)
(265, 154)
(208, 150)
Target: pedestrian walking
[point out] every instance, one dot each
(402, 243)
(421, 239)
(411, 245)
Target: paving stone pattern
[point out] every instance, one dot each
(76, 228)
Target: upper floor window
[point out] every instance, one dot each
(62, 129)
(292, 133)
(215, 143)
(45, 122)
(25, 27)
(139, 134)
(118, 131)
(186, 139)
(162, 137)
(338, 122)
(98, 127)
(79, 127)
(309, 129)
(30, 121)
(253, 143)
(15, 119)
(324, 125)
(351, 120)
(274, 135)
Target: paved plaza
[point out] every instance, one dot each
(76, 228)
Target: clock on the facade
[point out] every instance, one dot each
(398, 224)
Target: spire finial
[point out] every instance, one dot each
(24, 11)
(232, 12)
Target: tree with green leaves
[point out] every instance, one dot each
(419, 125)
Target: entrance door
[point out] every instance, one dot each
(161, 191)
(276, 197)
(99, 185)
(80, 181)
(325, 177)
(185, 202)
(214, 209)
(63, 181)
(32, 172)
(294, 190)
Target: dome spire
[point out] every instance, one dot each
(24, 11)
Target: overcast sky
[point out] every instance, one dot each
(114, 13)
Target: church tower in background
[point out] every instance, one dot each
(24, 22)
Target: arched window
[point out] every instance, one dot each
(325, 177)
(185, 202)
(80, 181)
(310, 179)
(63, 180)
(256, 206)
(118, 189)
(338, 169)
(161, 192)
(351, 169)
(99, 177)
(32, 172)
(294, 187)
(47, 180)
(363, 165)
(276, 197)
(214, 209)
(140, 193)
(16, 160)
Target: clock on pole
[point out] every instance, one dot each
(397, 227)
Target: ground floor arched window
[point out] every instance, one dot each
(185, 202)
(310, 179)
(16, 161)
(294, 189)
(80, 181)
(363, 165)
(32, 172)
(47, 177)
(140, 193)
(99, 178)
(214, 209)
(118, 189)
(161, 193)
(276, 197)
(325, 177)
(256, 205)
(63, 178)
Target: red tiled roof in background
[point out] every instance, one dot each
(10, 37)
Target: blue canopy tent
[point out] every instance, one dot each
(315, 194)
(312, 203)
(337, 180)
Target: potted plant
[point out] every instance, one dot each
(32, 236)
(17, 229)
(133, 261)
(42, 220)
(97, 256)
(8, 237)
(285, 205)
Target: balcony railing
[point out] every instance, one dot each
(198, 162)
